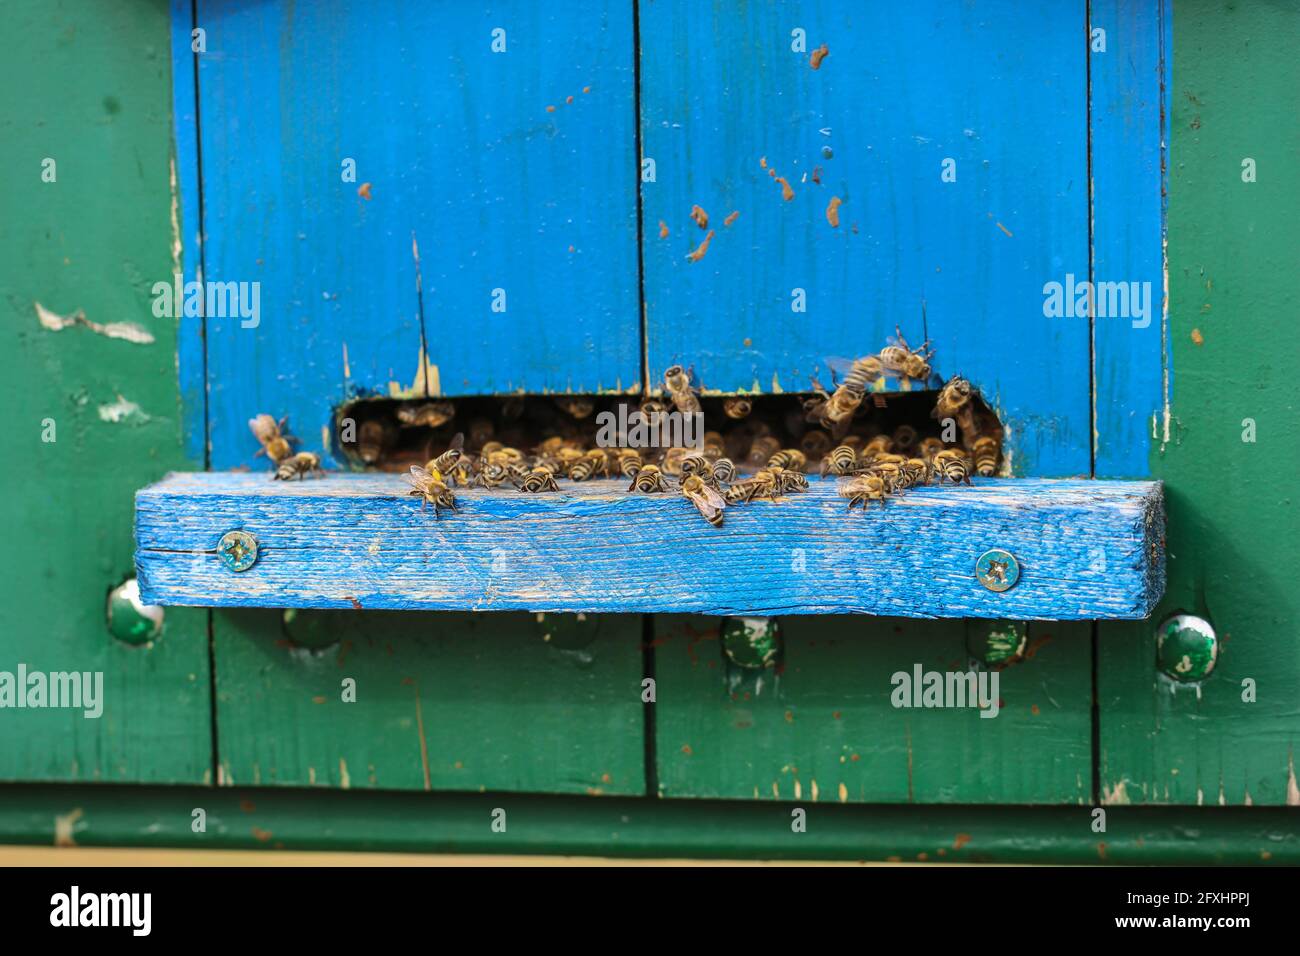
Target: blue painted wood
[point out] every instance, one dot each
(187, 243)
(1086, 549)
(1000, 90)
(1129, 111)
(462, 153)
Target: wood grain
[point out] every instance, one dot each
(1087, 549)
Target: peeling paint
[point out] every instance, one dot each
(126, 331)
(64, 825)
(427, 383)
(122, 410)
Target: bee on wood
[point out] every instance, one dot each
(444, 465)
(891, 474)
(737, 407)
(589, 465)
(861, 489)
(648, 480)
(426, 414)
(790, 459)
(723, 470)
(269, 433)
(431, 488)
(815, 444)
(298, 466)
(986, 451)
(916, 471)
(492, 474)
(374, 438)
(761, 485)
(565, 458)
(842, 460)
(708, 502)
(671, 463)
(900, 359)
(577, 407)
(678, 383)
(538, 480)
(629, 462)
(695, 465)
(951, 463)
(788, 480)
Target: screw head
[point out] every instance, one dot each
(752, 642)
(129, 619)
(237, 550)
(1186, 647)
(997, 570)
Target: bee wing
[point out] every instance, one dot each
(418, 476)
(706, 499)
(458, 442)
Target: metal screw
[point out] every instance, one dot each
(237, 550)
(997, 570)
(753, 642)
(1186, 647)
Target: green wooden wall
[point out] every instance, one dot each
(501, 704)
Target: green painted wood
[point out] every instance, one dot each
(824, 729)
(504, 702)
(1233, 522)
(272, 820)
(88, 84)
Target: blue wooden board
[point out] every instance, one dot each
(997, 88)
(1129, 120)
(1086, 549)
(463, 155)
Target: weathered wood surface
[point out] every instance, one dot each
(1086, 549)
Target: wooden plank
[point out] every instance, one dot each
(821, 727)
(87, 85)
(1127, 93)
(461, 153)
(1086, 549)
(1234, 738)
(904, 88)
(504, 702)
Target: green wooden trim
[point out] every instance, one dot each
(640, 827)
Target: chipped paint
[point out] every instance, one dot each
(64, 827)
(427, 382)
(1292, 791)
(345, 779)
(122, 410)
(1117, 795)
(125, 331)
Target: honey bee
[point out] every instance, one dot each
(900, 359)
(426, 414)
(788, 458)
(880, 445)
(839, 408)
(708, 502)
(788, 480)
(648, 480)
(723, 470)
(916, 471)
(891, 473)
(444, 466)
(863, 373)
(374, 437)
(951, 463)
(629, 462)
(431, 488)
(737, 407)
(815, 443)
(269, 433)
(579, 407)
(714, 446)
(678, 383)
(929, 447)
(652, 407)
(986, 451)
(763, 448)
(954, 402)
(761, 485)
(842, 460)
(696, 465)
(549, 447)
(300, 466)
(671, 464)
(538, 480)
(492, 474)
(589, 465)
(566, 458)
(863, 488)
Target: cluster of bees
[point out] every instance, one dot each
(756, 453)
